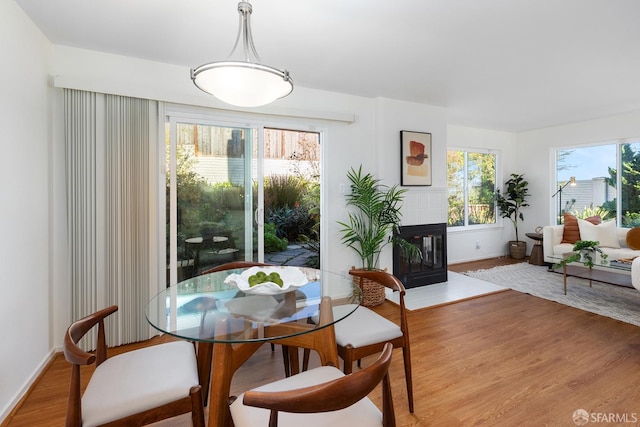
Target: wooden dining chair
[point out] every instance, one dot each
(322, 396)
(365, 332)
(135, 388)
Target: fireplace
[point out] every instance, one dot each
(431, 240)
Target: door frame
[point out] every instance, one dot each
(222, 118)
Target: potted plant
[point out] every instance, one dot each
(372, 223)
(584, 251)
(509, 204)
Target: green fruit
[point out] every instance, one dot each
(262, 277)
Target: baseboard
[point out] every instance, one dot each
(7, 413)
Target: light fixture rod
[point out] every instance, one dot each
(249, 52)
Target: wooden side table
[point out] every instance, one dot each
(537, 255)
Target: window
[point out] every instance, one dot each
(471, 178)
(599, 189)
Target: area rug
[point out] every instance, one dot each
(617, 302)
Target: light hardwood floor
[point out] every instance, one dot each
(507, 359)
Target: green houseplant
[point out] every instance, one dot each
(372, 222)
(584, 251)
(509, 204)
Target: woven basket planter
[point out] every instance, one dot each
(517, 250)
(373, 293)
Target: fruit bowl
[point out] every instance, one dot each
(292, 278)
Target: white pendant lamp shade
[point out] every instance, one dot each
(243, 83)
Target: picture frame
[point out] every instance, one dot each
(415, 158)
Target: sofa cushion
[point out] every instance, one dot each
(633, 238)
(571, 232)
(604, 233)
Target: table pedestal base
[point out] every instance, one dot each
(227, 357)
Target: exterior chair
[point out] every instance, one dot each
(322, 396)
(234, 264)
(131, 389)
(365, 332)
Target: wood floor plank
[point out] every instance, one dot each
(507, 359)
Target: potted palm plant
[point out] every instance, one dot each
(372, 224)
(509, 204)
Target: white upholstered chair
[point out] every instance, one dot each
(365, 332)
(322, 396)
(135, 388)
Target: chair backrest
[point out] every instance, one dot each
(382, 277)
(78, 329)
(152, 404)
(78, 357)
(234, 264)
(332, 395)
(392, 282)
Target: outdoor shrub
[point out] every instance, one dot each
(273, 243)
(631, 219)
(291, 223)
(283, 191)
(589, 211)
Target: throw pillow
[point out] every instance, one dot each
(604, 233)
(571, 232)
(633, 238)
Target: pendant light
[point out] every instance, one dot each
(244, 82)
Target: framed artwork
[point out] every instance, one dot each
(415, 158)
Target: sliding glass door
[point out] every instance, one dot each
(212, 202)
(239, 193)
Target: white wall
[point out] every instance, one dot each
(535, 156)
(492, 239)
(25, 184)
(532, 154)
(422, 205)
(358, 131)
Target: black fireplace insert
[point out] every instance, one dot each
(414, 271)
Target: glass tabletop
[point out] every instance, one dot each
(223, 307)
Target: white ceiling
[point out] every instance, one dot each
(510, 65)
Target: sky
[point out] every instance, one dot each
(588, 162)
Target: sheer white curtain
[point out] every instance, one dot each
(108, 140)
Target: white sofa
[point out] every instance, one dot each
(554, 249)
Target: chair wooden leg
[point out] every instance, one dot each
(348, 363)
(286, 361)
(388, 412)
(407, 376)
(294, 360)
(205, 354)
(197, 407)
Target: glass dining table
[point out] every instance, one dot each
(229, 314)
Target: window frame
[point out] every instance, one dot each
(497, 178)
(618, 143)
